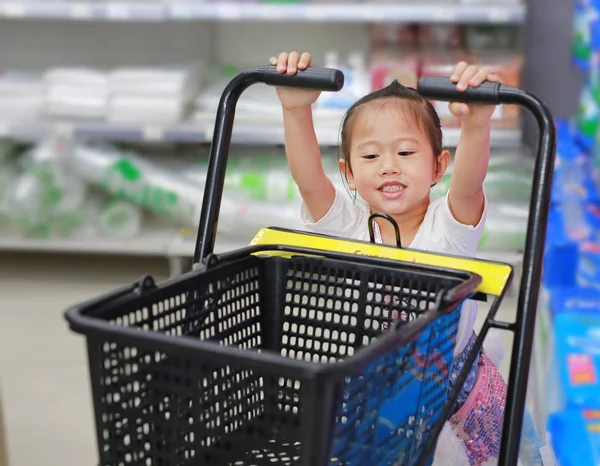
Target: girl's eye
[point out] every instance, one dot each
(405, 153)
(370, 156)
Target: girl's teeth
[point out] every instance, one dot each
(392, 188)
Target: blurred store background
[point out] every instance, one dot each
(106, 115)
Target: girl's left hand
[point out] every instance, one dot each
(466, 76)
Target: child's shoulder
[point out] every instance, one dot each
(441, 232)
(439, 212)
(347, 217)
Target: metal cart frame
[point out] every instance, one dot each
(433, 88)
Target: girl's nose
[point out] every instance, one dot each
(390, 165)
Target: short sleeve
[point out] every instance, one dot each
(460, 237)
(344, 219)
(441, 232)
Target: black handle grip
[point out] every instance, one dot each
(440, 88)
(323, 79)
(318, 79)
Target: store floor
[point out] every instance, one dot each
(43, 367)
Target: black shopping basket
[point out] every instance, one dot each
(300, 349)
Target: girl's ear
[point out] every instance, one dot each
(439, 169)
(347, 172)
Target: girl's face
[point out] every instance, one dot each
(392, 162)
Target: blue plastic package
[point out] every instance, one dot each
(571, 223)
(575, 437)
(574, 174)
(588, 264)
(574, 300)
(563, 300)
(588, 268)
(560, 256)
(567, 134)
(574, 376)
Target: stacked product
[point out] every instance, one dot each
(586, 56)
(157, 95)
(43, 198)
(406, 52)
(402, 52)
(568, 330)
(76, 93)
(63, 189)
(21, 95)
(132, 94)
(258, 99)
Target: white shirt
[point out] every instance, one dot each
(440, 232)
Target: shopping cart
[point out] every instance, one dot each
(302, 349)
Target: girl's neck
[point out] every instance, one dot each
(408, 223)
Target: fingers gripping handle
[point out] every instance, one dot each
(317, 79)
(439, 88)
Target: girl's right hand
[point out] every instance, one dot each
(292, 99)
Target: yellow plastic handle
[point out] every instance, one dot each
(495, 275)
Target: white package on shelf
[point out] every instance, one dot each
(85, 77)
(21, 95)
(258, 98)
(154, 95)
(119, 219)
(182, 81)
(128, 175)
(76, 93)
(21, 107)
(16, 83)
(63, 100)
(126, 108)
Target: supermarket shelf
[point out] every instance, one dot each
(155, 241)
(169, 242)
(255, 133)
(152, 241)
(164, 241)
(260, 129)
(253, 128)
(181, 10)
(104, 131)
(183, 244)
(352, 12)
(500, 138)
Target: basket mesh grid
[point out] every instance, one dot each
(171, 408)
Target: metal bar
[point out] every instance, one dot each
(531, 276)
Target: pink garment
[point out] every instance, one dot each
(479, 420)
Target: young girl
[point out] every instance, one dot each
(391, 145)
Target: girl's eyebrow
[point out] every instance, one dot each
(398, 139)
(406, 139)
